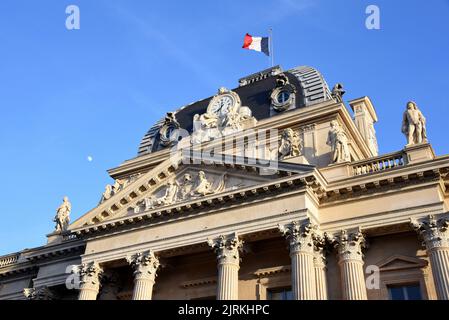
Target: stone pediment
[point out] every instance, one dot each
(399, 262)
(172, 183)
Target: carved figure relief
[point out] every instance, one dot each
(168, 198)
(225, 115)
(338, 141)
(183, 190)
(118, 186)
(291, 144)
(62, 217)
(414, 124)
(185, 186)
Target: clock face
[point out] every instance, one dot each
(222, 104)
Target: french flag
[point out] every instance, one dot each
(260, 44)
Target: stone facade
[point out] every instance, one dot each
(318, 214)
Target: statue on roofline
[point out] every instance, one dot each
(414, 124)
(62, 217)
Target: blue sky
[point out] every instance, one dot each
(66, 95)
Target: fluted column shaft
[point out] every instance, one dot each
(436, 239)
(145, 266)
(301, 240)
(439, 261)
(90, 281)
(351, 265)
(228, 258)
(319, 261)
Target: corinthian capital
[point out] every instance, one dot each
(303, 236)
(90, 274)
(227, 248)
(43, 293)
(145, 264)
(349, 245)
(434, 232)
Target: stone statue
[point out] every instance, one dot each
(119, 185)
(414, 124)
(168, 198)
(185, 186)
(107, 194)
(290, 144)
(203, 186)
(338, 141)
(62, 217)
(338, 92)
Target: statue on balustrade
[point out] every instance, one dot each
(338, 141)
(414, 124)
(62, 217)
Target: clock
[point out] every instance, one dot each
(223, 103)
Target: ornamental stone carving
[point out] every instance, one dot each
(225, 115)
(183, 190)
(338, 141)
(186, 186)
(43, 293)
(62, 217)
(168, 198)
(168, 132)
(118, 186)
(350, 245)
(414, 124)
(291, 144)
(227, 248)
(301, 236)
(284, 95)
(145, 264)
(434, 232)
(90, 280)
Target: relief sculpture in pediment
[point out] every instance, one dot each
(183, 190)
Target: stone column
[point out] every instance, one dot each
(228, 250)
(145, 265)
(436, 239)
(90, 274)
(350, 256)
(301, 240)
(319, 262)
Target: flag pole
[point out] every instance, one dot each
(271, 47)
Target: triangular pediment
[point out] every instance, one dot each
(398, 262)
(173, 183)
